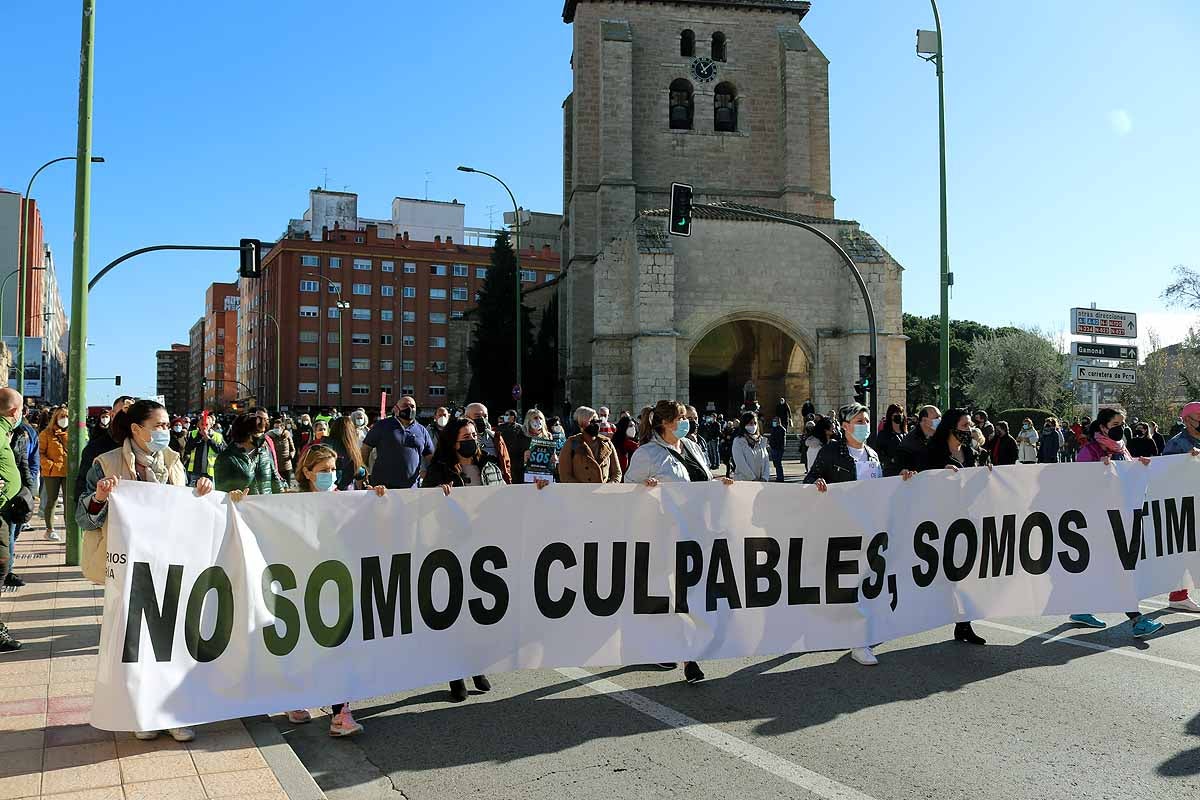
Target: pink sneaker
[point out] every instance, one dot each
(299, 717)
(343, 724)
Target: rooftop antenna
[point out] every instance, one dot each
(491, 217)
(427, 174)
(325, 183)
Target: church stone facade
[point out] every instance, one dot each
(730, 96)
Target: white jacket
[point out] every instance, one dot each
(752, 462)
(652, 460)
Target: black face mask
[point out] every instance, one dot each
(482, 424)
(1116, 433)
(691, 426)
(963, 436)
(468, 448)
(405, 414)
(592, 430)
(898, 420)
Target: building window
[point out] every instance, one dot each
(437, 391)
(334, 312)
(333, 388)
(408, 365)
(437, 269)
(408, 389)
(385, 365)
(309, 311)
(360, 363)
(481, 272)
(387, 266)
(410, 341)
(363, 264)
(410, 268)
(308, 362)
(437, 366)
(461, 270)
(437, 318)
(410, 291)
(437, 341)
(682, 103)
(437, 294)
(549, 277)
(528, 276)
(360, 338)
(360, 388)
(456, 315)
(718, 46)
(725, 108)
(687, 43)
(335, 263)
(362, 288)
(360, 313)
(459, 293)
(309, 337)
(386, 314)
(386, 389)
(360, 240)
(332, 337)
(310, 261)
(309, 286)
(410, 316)
(333, 363)
(385, 338)
(335, 287)
(387, 291)
(307, 388)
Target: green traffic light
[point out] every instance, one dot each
(682, 223)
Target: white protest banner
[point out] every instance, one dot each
(215, 610)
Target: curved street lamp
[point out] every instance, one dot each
(342, 307)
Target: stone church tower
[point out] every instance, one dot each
(731, 96)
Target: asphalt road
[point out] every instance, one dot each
(1044, 710)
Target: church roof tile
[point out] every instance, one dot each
(799, 7)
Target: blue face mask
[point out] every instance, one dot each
(325, 481)
(935, 423)
(862, 431)
(682, 428)
(159, 440)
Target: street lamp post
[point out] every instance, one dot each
(22, 280)
(929, 47)
(342, 307)
(517, 268)
(278, 340)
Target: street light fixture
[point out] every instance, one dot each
(517, 266)
(342, 306)
(929, 47)
(278, 340)
(22, 280)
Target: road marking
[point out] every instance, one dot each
(1063, 638)
(782, 768)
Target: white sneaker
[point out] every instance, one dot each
(146, 736)
(182, 734)
(1186, 604)
(864, 656)
(53, 535)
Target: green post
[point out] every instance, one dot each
(944, 351)
(77, 352)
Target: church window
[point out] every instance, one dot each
(682, 105)
(687, 44)
(718, 46)
(725, 108)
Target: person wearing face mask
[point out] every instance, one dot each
(178, 435)
(100, 440)
(607, 428)
(262, 423)
(1003, 448)
(10, 488)
(625, 442)
(488, 439)
(589, 456)
(1141, 445)
(304, 431)
(440, 417)
(285, 449)
(246, 464)
(204, 444)
(751, 451)
(1106, 443)
(725, 448)
(557, 433)
(777, 439)
(538, 457)
(1027, 440)
(847, 459)
(24, 444)
(666, 455)
(1050, 443)
(911, 452)
(401, 446)
(52, 446)
(143, 434)
(887, 440)
(359, 418)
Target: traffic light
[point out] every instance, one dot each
(860, 391)
(117, 380)
(681, 209)
(866, 379)
(250, 263)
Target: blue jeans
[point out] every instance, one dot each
(14, 531)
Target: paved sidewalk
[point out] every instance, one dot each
(47, 747)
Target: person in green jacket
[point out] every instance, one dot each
(11, 403)
(246, 464)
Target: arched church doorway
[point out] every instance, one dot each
(748, 359)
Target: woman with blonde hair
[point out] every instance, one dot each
(52, 445)
(538, 451)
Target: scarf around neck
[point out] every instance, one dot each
(150, 467)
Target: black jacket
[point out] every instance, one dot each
(776, 439)
(972, 458)
(1004, 450)
(835, 464)
(99, 444)
(911, 452)
(1139, 446)
(887, 443)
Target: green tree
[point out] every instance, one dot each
(1017, 369)
(1152, 396)
(921, 361)
(541, 373)
(492, 353)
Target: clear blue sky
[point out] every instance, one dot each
(1072, 128)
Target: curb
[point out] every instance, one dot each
(283, 761)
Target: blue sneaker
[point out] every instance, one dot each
(1145, 626)
(1089, 620)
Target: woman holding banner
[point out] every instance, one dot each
(1106, 443)
(666, 455)
(142, 433)
(850, 459)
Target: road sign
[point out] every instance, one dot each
(1112, 352)
(517, 392)
(1083, 372)
(1096, 322)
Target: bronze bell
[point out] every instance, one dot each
(681, 116)
(725, 119)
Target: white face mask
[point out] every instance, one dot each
(442, 421)
(62, 422)
(751, 429)
(177, 428)
(535, 424)
(104, 421)
(631, 431)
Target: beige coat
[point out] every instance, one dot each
(577, 463)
